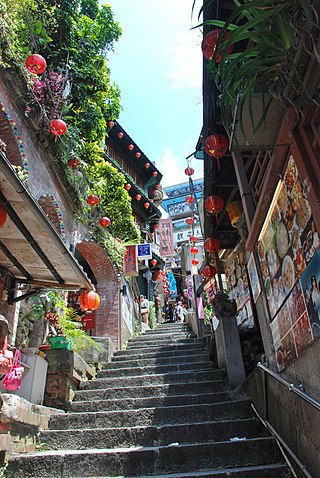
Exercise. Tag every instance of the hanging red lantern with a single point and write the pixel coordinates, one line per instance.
(89, 300)
(190, 199)
(190, 221)
(138, 197)
(74, 162)
(194, 250)
(193, 239)
(163, 273)
(128, 186)
(214, 204)
(138, 155)
(216, 145)
(147, 165)
(194, 262)
(111, 124)
(3, 215)
(155, 174)
(156, 186)
(211, 244)
(58, 127)
(104, 222)
(36, 64)
(130, 147)
(154, 262)
(209, 271)
(146, 205)
(120, 135)
(189, 171)
(209, 45)
(93, 200)
(155, 226)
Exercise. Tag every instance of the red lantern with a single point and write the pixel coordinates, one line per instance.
(216, 145)
(190, 199)
(155, 226)
(128, 187)
(194, 250)
(155, 174)
(74, 162)
(138, 197)
(110, 124)
(156, 186)
(190, 221)
(138, 155)
(211, 244)
(89, 300)
(36, 64)
(93, 200)
(120, 135)
(209, 271)
(104, 222)
(193, 239)
(3, 215)
(146, 205)
(58, 127)
(154, 262)
(214, 204)
(147, 165)
(194, 262)
(189, 171)
(130, 147)
(209, 45)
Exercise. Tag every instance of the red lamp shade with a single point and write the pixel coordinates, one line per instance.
(111, 124)
(216, 145)
(147, 165)
(209, 271)
(3, 215)
(58, 127)
(190, 199)
(36, 64)
(155, 174)
(138, 197)
(194, 262)
(214, 204)
(130, 147)
(209, 45)
(120, 135)
(146, 205)
(93, 200)
(194, 250)
(89, 300)
(104, 222)
(193, 239)
(189, 171)
(138, 155)
(74, 162)
(189, 221)
(211, 244)
(154, 262)
(128, 186)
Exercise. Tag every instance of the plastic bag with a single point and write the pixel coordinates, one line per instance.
(5, 360)
(13, 379)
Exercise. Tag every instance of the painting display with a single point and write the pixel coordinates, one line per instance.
(253, 277)
(237, 280)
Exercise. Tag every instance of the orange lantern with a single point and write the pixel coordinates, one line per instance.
(211, 244)
(3, 215)
(89, 300)
(209, 45)
(209, 271)
(234, 210)
(214, 204)
(36, 64)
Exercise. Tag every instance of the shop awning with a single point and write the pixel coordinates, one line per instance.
(30, 248)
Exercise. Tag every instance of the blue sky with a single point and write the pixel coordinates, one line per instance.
(157, 64)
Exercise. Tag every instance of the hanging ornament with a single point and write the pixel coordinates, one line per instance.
(157, 186)
(209, 45)
(193, 239)
(211, 244)
(138, 155)
(146, 205)
(74, 162)
(120, 135)
(234, 210)
(209, 271)
(104, 222)
(194, 262)
(216, 145)
(111, 124)
(190, 199)
(138, 197)
(154, 262)
(214, 204)
(189, 171)
(128, 186)
(155, 226)
(130, 147)
(89, 300)
(58, 127)
(93, 200)
(155, 174)
(3, 215)
(36, 64)
(147, 165)
(190, 221)
(194, 250)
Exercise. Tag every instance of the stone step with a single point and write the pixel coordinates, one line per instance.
(140, 380)
(168, 331)
(152, 435)
(136, 344)
(161, 390)
(146, 402)
(159, 337)
(131, 370)
(165, 360)
(168, 351)
(143, 461)
(153, 416)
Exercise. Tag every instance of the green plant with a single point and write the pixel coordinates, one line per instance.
(152, 315)
(71, 325)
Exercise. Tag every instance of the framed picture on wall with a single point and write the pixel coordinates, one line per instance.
(253, 277)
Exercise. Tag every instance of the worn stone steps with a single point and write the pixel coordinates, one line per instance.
(154, 369)
(162, 360)
(144, 460)
(160, 352)
(152, 343)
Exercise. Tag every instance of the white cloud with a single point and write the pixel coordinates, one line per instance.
(172, 168)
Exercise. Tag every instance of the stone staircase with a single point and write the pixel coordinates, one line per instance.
(159, 409)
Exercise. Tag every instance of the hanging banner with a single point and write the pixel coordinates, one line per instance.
(166, 237)
(144, 251)
(130, 262)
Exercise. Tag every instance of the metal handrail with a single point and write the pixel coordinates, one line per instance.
(291, 387)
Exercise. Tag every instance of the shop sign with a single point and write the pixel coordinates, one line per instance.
(166, 237)
(144, 251)
(211, 290)
(130, 261)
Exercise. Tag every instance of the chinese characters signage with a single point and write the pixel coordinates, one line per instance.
(166, 237)
(130, 262)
